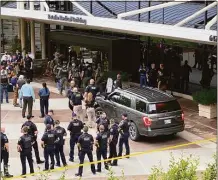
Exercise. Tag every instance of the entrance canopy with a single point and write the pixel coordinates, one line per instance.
(187, 21)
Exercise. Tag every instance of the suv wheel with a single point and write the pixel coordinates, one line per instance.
(133, 132)
(98, 112)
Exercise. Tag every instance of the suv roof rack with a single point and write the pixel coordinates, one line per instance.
(150, 94)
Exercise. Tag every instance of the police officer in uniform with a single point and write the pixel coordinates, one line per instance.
(33, 132)
(59, 146)
(49, 119)
(49, 139)
(5, 152)
(85, 145)
(91, 88)
(101, 144)
(124, 135)
(102, 120)
(76, 101)
(114, 134)
(63, 74)
(75, 128)
(24, 146)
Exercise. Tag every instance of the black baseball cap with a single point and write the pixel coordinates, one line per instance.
(29, 116)
(124, 114)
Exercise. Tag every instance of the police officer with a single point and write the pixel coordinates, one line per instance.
(63, 75)
(76, 100)
(114, 134)
(5, 152)
(124, 135)
(102, 120)
(91, 88)
(33, 132)
(49, 119)
(59, 146)
(75, 128)
(85, 145)
(101, 144)
(24, 146)
(49, 139)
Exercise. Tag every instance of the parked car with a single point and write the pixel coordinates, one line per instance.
(152, 112)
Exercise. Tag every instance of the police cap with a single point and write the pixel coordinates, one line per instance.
(29, 116)
(85, 129)
(48, 126)
(124, 114)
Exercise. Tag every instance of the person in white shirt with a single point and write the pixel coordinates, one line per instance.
(6, 57)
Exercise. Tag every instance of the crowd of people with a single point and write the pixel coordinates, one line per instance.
(173, 73)
(82, 104)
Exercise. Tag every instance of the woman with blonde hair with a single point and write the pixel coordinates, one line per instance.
(90, 109)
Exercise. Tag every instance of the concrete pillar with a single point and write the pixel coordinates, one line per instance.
(21, 5)
(23, 37)
(32, 35)
(18, 4)
(19, 29)
(42, 37)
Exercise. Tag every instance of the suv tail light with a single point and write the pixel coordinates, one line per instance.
(147, 121)
(183, 116)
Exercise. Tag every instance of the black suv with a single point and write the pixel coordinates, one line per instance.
(151, 111)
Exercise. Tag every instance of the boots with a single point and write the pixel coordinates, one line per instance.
(6, 173)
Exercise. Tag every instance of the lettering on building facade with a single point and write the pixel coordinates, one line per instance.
(213, 38)
(67, 18)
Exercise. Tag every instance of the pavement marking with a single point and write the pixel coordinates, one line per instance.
(131, 155)
(201, 124)
(192, 138)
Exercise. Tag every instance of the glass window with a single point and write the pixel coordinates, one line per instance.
(115, 98)
(141, 106)
(163, 107)
(125, 101)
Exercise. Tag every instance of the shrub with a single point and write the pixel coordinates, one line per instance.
(206, 97)
(211, 171)
(183, 169)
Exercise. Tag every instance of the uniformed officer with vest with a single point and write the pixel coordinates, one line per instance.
(49, 119)
(32, 131)
(5, 152)
(85, 145)
(75, 128)
(49, 139)
(63, 75)
(76, 101)
(101, 144)
(59, 146)
(114, 135)
(24, 146)
(91, 88)
(102, 120)
(124, 135)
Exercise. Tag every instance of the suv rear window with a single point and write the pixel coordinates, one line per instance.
(163, 107)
